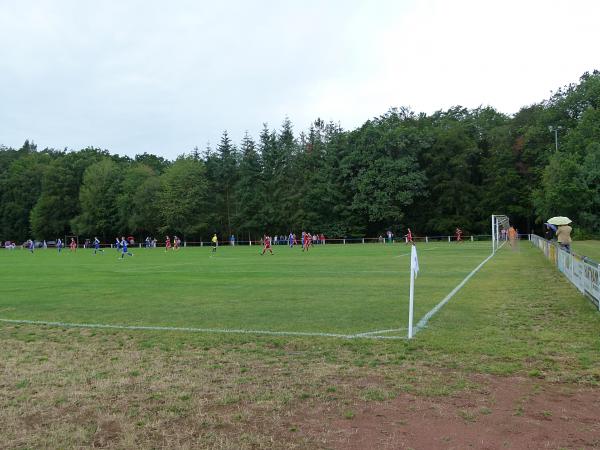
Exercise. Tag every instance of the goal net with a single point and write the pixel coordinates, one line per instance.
(500, 226)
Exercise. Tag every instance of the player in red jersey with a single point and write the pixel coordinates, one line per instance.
(266, 245)
(305, 241)
(73, 245)
(458, 234)
(167, 243)
(409, 237)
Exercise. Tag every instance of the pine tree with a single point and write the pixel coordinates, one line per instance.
(250, 189)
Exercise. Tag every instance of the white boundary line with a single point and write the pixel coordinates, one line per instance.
(369, 335)
(423, 322)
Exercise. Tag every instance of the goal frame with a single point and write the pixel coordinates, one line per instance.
(497, 241)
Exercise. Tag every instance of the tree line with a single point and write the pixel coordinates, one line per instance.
(403, 169)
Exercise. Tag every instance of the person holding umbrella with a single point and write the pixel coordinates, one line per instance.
(563, 231)
(550, 231)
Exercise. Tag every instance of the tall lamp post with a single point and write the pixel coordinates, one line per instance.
(555, 130)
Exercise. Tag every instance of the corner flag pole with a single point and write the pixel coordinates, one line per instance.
(414, 270)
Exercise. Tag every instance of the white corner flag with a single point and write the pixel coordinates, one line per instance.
(414, 261)
(414, 270)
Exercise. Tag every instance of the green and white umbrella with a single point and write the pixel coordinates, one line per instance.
(559, 220)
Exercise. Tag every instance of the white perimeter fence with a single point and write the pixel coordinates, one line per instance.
(580, 270)
(343, 241)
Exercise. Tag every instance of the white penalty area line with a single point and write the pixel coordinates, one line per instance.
(368, 335)
(423, 322)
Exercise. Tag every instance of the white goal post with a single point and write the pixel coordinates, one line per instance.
(500, 226)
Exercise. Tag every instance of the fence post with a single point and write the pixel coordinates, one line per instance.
(344, 241)
(426, 240)
(448, 238)
(185, 243)
(201, 244)
(471, 238)
(363, 240)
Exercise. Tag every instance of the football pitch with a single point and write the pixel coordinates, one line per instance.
(332, 289)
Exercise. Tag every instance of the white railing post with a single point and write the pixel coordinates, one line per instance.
(493, 236)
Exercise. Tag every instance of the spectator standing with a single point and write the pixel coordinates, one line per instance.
(563, 236)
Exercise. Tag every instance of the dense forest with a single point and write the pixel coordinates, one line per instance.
(403, 169)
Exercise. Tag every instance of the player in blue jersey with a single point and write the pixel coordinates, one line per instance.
(30, 245)
(59, 245)
(124, 248)
(117, 244)
(97, 246)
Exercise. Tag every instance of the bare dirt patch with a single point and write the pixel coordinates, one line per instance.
(510, 412)
(108, 431)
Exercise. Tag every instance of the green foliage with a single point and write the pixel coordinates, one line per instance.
(138, 209)
(98, 198)
(20, 188)
(387, 174)
(183, 197)
(563, 189)
(56, 204)
(223, 180)
(250, 191)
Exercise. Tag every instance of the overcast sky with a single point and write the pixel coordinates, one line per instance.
(163, 77)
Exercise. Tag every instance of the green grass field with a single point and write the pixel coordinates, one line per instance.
(591, 249)
(344, 289)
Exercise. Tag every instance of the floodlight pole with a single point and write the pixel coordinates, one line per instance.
(555, 130)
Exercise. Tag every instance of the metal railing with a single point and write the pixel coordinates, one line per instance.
(581, 271)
